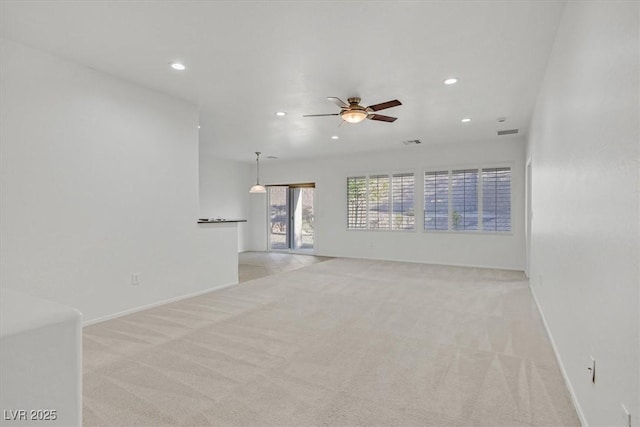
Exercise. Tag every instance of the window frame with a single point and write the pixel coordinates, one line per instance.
(356, 220)
(380, 179)
(435, 172)
(389, 174)
(479, 168)
(392, 214)
(481, 225)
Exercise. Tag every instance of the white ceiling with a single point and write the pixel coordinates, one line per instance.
(248, 59)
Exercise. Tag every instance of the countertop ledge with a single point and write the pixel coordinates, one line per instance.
(218, 220)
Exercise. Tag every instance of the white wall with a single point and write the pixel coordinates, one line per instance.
(584, 148)
(99, 181)
(333, 239)
(40, 361)
(224, 190)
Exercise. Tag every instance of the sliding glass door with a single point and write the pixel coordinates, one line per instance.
(302, 218)
(279, 218)
(291, 217)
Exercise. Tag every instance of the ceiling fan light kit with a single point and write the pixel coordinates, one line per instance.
(353, 112)
(355, 116)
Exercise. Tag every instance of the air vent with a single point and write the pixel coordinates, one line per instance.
(507, 132)
(412, 142)
(272, 157)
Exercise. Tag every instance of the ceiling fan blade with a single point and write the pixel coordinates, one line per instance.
(319, 115)
(339, 102)
(384, 105)
(382, 118)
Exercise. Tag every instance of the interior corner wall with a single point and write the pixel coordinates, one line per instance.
(99, 180)
(224, 190)
(332, 238)
(585, 239)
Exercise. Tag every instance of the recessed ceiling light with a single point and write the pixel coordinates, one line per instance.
(198, 126)
(466, 120)
(178, 66)
(281, 113)
(450, 81)
(335, 137)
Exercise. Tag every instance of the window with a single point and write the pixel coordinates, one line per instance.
(357, 202)
(381, 202)
(436, 200)
(464, 199)
(468, 200)
(378, 202)
(402, 212)
(496, 199)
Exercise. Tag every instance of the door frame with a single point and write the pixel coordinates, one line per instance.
(528, 212)
(290, 220)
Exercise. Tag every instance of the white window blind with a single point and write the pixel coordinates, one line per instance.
(357, 202)
(378, 202)
(464, 199)
(468, 199)
(496, 199)
(402, 199)
(436, 200)
(381, 202)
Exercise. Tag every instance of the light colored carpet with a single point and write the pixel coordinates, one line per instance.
(337, 343)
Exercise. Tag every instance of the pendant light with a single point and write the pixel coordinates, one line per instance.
(258, 188)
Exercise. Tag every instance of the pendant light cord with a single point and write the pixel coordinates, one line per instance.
(257, 168)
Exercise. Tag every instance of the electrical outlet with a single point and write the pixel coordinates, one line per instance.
(626, 416)
(592, 369)
(135, 279)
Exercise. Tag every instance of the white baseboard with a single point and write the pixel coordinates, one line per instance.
(572, 393)
(155, 304)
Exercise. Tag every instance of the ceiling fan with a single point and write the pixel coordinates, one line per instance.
(353, 112)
